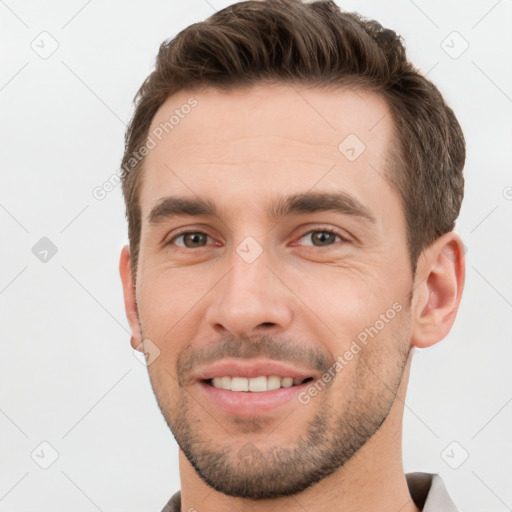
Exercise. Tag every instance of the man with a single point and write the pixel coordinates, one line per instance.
(292, 184)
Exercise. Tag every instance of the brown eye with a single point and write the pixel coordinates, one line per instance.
(191, 239)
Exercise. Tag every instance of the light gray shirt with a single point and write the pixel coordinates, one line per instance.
(427, 491)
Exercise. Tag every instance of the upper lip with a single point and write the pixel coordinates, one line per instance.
(251, 369)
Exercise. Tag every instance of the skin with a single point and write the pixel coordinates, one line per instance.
(307, 295)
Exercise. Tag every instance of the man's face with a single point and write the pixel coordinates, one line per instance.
(271, 286)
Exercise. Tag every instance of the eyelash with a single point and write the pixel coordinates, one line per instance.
(315, 230)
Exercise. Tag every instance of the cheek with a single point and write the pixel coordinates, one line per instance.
(168, 298)
(346, 298)
(172, 308)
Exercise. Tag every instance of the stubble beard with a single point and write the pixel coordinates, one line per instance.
(331, 438)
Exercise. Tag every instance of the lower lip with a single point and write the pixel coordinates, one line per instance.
(247, 403)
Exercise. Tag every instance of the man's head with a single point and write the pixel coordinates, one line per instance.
(290, 216)
(320, 46)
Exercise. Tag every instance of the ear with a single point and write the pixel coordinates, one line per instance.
(130, 298)
(438, 286)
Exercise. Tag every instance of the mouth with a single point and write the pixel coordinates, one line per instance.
(252, 387)
(251, 403)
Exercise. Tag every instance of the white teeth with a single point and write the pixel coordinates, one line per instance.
(287, 382)
(255, 384)
(239, 384)
(273, 382)
(217, 383)
(258, 384)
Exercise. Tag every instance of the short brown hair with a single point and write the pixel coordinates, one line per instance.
(316, 44)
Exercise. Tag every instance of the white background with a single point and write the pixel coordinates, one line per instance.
(68, 374)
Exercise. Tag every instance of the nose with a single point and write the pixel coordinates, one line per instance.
(250, 300)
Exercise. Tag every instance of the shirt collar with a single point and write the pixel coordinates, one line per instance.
(427, 491)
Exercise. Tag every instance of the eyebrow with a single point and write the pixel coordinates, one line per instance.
(309, 202)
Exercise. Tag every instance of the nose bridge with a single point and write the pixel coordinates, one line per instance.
(250, 297)
(247, 277)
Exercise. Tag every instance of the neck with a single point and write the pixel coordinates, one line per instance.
(372, 480)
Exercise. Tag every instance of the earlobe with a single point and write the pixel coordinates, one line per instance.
(438, 289)
(136, 345)
(130, 298)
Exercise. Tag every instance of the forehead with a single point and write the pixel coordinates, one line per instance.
(266, 139)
